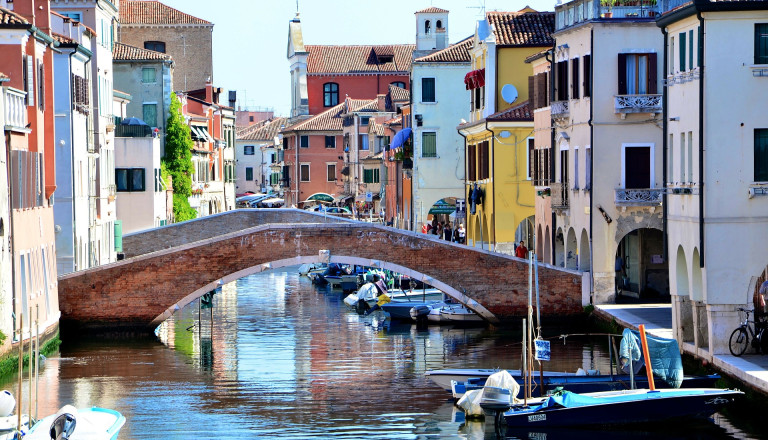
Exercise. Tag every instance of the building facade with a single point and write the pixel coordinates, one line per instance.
(255, 154)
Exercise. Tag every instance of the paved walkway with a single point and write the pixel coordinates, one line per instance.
(752, 369)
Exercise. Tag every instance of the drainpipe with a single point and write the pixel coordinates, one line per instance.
(492, 169)
(591, 158)
(551, 163)
(466, 197)
(664, 147)
(701, 138)
(12, 248)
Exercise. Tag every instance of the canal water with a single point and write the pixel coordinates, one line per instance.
(277, 358)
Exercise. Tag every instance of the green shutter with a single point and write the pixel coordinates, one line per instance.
(682, 51)
(118, 235)
(428, 144)
(761, 155)
(690, 48)
(761, 43)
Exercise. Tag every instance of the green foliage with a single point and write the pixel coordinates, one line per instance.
(178, 160)
(10, 363)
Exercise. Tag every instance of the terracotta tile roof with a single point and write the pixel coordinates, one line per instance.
(455, 53)
(399, 94)
(154, 12)
(394, 121)
(353, 59)
(537, 55)
(124, 52)
(432, 9)
(243, 131)
(376, 129)
(8, 17)
(61, 39)
(520, 112)
(264, 132)
(523, 28)
(330, 120)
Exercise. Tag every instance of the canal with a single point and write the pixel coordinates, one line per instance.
(277, 358)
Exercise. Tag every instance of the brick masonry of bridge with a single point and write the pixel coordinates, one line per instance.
(169, 267)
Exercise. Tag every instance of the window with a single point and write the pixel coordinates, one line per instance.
(427, 90)
(274, 179)
(248, 150)
(148, 75)
(761, 155)
(150, 114)
(73, 15)
(304, 141)
(690, 156)
(681, 38)
(637, 74)
(40, 85)
(304, 171)
(564, 167)
(575, 168)
(472, 163)
(587, 75)
(637, 167)
(531, 156)
(575, 78)
(330, 94)
(671, 163)
(671, 56)
(382, 142)
(428, 144)
(427, 27)
(249, 174)
(364, 120)
(364, 142)
(484, 164)
(129, 179)
(761, 43)
(683, 177)
(371, 176)
(690, 49)
(561, 81)
(250, 118)
(588, 169)
(330, 142)
(331, 168)
(157, 46)
(398, 84)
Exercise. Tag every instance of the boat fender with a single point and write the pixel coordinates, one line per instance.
(7, 403)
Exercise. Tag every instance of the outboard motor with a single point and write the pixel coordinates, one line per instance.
(7, 403)
(419, 314)
(62, 427)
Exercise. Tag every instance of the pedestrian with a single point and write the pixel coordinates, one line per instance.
(439, 231)
(521, 251)
(462, 233)
(619, 267)
(447, 231)
(763, 300)
(391, 221)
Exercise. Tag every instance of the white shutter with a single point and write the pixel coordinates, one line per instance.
(30, 80)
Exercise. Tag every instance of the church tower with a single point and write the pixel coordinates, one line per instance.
(297, 57)
(431, 30)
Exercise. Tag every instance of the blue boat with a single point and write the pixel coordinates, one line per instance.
(620, 407)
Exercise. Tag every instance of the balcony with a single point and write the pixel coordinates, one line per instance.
(15, 108)
(639, 197)
(559, 193)
(624, 104)
(560, 109)
(570, 13)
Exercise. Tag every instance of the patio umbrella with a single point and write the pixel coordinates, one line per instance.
(400, 138)
(132, 121)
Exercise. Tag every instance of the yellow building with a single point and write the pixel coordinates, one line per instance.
(499, 135)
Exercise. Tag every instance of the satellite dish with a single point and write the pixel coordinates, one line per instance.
(505, 134)
(509, 93)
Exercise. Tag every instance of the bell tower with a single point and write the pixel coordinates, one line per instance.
(431, 30)
(297, 57)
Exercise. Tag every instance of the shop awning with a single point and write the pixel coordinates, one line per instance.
(200, 134)
(400, 138)
(320, 197)
(475, 79)
(442, 207)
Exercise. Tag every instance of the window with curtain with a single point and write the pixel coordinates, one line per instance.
(150, 114)
(148, 75)
(330, 94)
(428, 144)
(637, 74)
(364, 141)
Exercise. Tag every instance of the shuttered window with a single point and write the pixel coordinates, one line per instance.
(561, 81)
(427, 90)
(681, 36)
(575, 78)
(304, 171)
(761, 155)
(472, 163)
(429, 144)
(637, 74)
(587, 78)
(371, 176)
(761, 43)
(26, 179)
(331, 169)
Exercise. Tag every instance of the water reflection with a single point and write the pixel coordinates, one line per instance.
(276, 358)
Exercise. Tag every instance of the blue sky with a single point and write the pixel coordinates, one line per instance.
(250, 36)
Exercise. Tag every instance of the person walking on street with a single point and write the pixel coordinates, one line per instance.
(448, 232)
(462, 233)
(619, 267)
(521, 251)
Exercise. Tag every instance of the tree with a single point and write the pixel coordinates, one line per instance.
(178, 161)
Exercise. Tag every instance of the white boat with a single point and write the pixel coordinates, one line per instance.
(443, 378)
(82, 424)
(442, 313)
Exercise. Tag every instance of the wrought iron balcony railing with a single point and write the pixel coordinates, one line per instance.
(559, 194)
(638, 104)
(560, 109)
(639, 196)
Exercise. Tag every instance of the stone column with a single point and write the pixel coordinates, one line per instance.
(701, 325)
(723, 319)
(682, 319)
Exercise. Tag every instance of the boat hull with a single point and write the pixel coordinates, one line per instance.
(625, 408)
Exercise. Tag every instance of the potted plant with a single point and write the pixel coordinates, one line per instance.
(607, 6)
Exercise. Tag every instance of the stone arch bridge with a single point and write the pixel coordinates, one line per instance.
(169, 267)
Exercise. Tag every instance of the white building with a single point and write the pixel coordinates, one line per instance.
(75, 152)
(254, 155)
(607, 182)
(141, 193)
(6, 254)
(438, 152)
(102, 16)
(716, 165)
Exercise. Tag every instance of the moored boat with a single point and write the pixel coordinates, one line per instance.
(85, 423)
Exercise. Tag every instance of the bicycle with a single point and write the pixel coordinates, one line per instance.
(740, 338)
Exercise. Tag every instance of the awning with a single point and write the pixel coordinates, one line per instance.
(200, 134)
(320, 197)
(400, 138)
(272, 201)
(442, 207)
(475, 79)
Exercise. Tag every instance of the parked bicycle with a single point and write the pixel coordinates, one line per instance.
(748, 331)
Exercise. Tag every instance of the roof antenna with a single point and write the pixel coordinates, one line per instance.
(481, 7)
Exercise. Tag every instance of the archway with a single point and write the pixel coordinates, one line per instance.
(584, 254)
(547, 247)
(524, 232)
(559, 248)
(645, 274)
(539, 244)
(443, 213)
(571, 250)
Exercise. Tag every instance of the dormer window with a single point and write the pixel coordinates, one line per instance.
(384, 54)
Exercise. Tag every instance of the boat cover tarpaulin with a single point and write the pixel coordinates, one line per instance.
(665, 357)
(470, 402)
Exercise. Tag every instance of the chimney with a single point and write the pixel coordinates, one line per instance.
(381, 102)
(208, 90)
(232, 98)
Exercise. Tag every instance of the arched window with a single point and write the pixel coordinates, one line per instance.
(330, 94)
(427, 26)
(399, 84)
(439, 24)
(157, 46)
